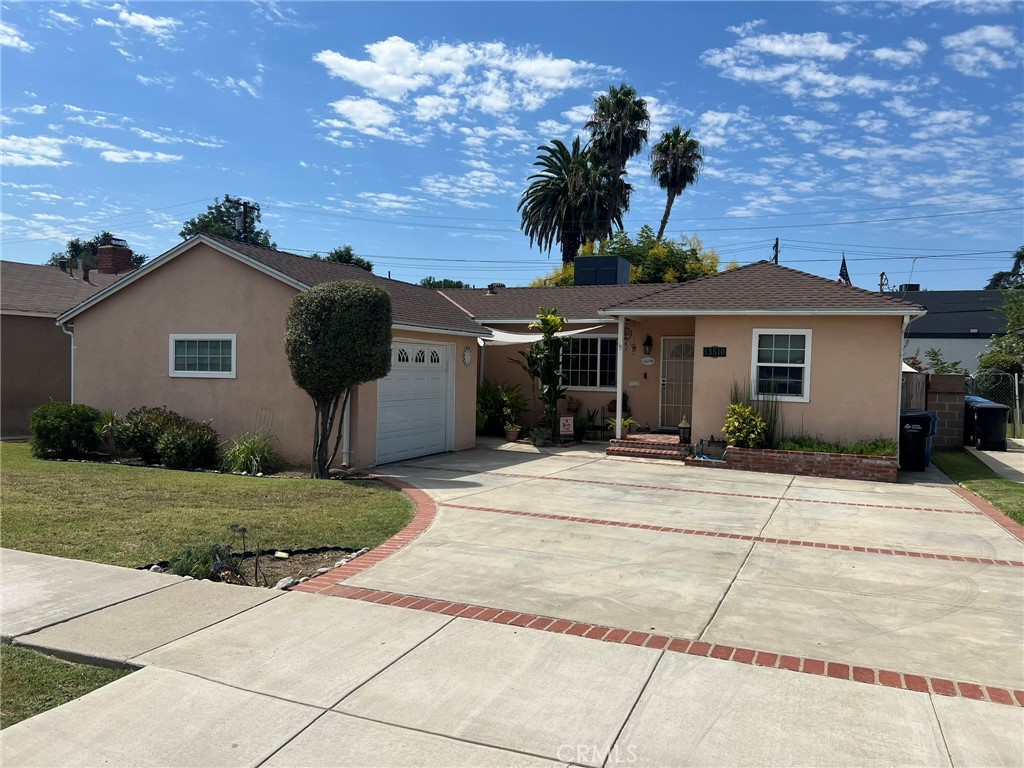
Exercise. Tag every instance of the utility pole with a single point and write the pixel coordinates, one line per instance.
(883, 282)
(775, 252)
(242, 223)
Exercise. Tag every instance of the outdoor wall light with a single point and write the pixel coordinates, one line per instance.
(648, 344)
(684, 432)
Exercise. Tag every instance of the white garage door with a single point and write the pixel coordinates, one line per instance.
(413, 402)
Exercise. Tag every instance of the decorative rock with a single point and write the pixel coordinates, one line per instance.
(320, 571)
(336, 472)
(281, 555)
(156, 569)
(186, 578)
(286, 582)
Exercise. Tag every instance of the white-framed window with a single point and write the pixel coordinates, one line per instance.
(588, 362)
(202, 355)
(781, 364)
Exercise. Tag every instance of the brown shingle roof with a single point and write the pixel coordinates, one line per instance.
(44, 290)
(765, 287)
(410, 304)
(577, 302)
(761, 286)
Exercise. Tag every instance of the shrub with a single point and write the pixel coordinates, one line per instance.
(63, 430)
(140, 430)
(189, 445)
(877, 446)
(203, 562)
(106, 432)
(744, 427)
(252, 454)
(498, 405)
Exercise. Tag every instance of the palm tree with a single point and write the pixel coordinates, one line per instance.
(572, 199)
(619, 125)
(676, 162)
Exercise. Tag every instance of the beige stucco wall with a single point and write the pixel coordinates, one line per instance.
(35, 367)
(855, 372)
(122, 354)
(643, 383)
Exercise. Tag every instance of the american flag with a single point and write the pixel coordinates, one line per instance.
(844, 275)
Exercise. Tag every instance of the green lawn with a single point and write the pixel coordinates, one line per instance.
(964, 469)
(131, 516)
(32, 683)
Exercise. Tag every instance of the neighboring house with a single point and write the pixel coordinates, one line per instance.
(200, 330)
(959, 324)
(832, 352)
(35, 355)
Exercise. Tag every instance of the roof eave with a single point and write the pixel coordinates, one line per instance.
(481, 334)
(640, 312)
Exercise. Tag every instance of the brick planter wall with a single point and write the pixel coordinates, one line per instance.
(946, 398)
(841, 465)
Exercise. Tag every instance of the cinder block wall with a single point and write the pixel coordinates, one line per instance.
(946, 398)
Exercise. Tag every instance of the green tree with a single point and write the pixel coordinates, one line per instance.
(221, 217)
(938, 364)
(545, 360)
(1012, 278)
(574, 198)
(676, 162)
(337, 336)
(344, 255)
(1006, 353)
(87, 251)
(444, 284)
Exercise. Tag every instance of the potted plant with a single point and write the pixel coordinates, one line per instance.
(512, 431)
(627, 422)
(580, 426)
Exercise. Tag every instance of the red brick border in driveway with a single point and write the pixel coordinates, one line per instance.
(332, 584)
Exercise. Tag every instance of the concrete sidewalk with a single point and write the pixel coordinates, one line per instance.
(296, 679)
(1008, 464)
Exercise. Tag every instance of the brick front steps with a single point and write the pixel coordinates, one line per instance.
(839, 465)
(647, 446)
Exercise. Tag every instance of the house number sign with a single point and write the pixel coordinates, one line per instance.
(714, 351)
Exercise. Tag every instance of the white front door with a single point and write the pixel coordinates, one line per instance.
(676, 380)
(414, 407)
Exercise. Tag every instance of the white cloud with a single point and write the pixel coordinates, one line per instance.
(161, 28)
(10, 37)
(166, 81)
(945, 122)
(910, 54)
(803, 129)
(35, 109)
(62, 20)
(237, 85)
(871, 122)
(902, 107)
(746, 27)
(467, 189)
(721, 129)
(553, 128)
(977, 50)
(137, 156)
(387, 202)
(427, 82)
(365, 115)
(46, 197)
(809, 45)
(29, 151)
(579, 115)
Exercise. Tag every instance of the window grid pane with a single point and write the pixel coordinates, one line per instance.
(781, 365)
(202, 355)
(589, 362)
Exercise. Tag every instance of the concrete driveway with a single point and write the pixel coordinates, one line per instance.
(564, 609)
(911, 578)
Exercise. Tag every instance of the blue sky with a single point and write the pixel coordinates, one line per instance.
(891, 131)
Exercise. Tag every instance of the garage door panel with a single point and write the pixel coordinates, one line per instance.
(412, 403)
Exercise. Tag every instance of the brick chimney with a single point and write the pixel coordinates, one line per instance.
(114, 259)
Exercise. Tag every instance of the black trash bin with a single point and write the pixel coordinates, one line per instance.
(985, 423)
(916, 430)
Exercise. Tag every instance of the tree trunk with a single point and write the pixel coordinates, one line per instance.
(664, 219)
(326, 412)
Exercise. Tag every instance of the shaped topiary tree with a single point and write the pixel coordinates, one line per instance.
(338, 335)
